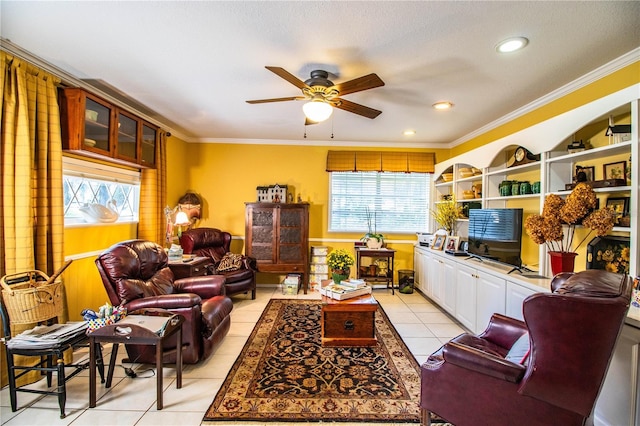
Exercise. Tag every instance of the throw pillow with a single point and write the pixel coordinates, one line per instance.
(519, 352)
(230, 262)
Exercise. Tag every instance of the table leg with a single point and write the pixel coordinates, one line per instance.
(112, 364)
(62, 389)
(159, 373)
(92, 373)
(179, 360)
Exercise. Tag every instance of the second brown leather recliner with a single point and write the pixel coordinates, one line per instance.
(215, 244)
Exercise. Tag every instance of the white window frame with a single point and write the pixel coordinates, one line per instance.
(384, 198)
(100, 174)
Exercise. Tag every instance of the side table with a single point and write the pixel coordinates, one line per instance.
(131, 334)
(373, 274)
(190, 267)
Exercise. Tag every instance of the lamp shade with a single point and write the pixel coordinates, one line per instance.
(317, 110)
(182, 219)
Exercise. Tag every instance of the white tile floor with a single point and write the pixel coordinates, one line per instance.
(423, 327)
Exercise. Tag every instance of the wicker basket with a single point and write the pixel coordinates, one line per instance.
(29, 298)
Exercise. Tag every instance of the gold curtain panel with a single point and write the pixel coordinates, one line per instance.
(380, 161)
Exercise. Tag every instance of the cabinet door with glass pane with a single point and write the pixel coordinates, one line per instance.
(127, 137)
(148, 145)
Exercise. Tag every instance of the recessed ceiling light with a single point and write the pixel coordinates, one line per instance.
(511, 44)
(409, 132)
(443, 105)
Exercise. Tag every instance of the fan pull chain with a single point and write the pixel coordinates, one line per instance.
(332, 127)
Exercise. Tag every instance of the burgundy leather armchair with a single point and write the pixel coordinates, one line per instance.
(214, 244)
(572, 334)
(136, 275)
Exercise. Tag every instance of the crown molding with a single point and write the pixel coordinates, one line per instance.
(595, 75)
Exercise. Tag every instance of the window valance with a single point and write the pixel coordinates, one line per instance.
(380, 161)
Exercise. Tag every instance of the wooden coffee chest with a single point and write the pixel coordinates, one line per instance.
(349, 322)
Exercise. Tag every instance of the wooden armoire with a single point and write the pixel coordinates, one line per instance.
(277, 236)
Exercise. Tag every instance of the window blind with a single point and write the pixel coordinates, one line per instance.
(399, 201)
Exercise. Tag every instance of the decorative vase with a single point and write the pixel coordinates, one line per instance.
(340, 274)
(372, 243)
(562, 261)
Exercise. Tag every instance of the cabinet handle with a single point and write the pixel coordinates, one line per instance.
(348, 325)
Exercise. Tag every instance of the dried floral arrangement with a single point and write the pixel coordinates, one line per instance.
(578, 208)
(340, 259)
(447, 213)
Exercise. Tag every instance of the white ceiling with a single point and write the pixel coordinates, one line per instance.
(194, 64)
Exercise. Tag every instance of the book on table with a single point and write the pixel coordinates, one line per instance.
(340, 292)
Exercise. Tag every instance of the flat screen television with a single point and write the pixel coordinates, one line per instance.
(496, 234)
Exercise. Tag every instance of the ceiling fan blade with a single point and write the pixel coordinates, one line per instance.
(359, 84)
(281, 72)
(262, 101)
(355, 108)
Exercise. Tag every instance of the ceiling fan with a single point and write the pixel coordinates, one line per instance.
(321, 93)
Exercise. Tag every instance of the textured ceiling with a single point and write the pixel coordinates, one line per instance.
(194, 64)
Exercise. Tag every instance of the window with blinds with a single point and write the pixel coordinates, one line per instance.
(400, 201)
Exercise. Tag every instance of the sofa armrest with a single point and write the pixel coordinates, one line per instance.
(206, 286)
(165, 301)
(504, 331)
(481, 362)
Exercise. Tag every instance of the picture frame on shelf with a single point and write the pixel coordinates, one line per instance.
(588, 176)
(438, 243)
(452, 243)
(620, 205)
(617, 170)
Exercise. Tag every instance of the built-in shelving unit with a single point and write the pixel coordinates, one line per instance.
(555, 169)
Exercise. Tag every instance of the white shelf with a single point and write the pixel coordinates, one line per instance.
(592, 154)
(515, 169)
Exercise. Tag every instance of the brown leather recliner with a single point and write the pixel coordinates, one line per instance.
(136, 275)
(214, 244)
(572, 333)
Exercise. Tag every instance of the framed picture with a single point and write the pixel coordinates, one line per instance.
(588, 176)
(438, 243)
(619, 205)
(617, 170)
(452, 243)
(610, 253)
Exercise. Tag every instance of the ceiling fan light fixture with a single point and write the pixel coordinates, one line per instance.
(512, 44)
(409, 132)
(443, 105)
(317, 110)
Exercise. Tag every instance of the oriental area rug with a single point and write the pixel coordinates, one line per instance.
(284, 374)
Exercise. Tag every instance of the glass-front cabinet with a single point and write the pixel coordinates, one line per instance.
(96, 128)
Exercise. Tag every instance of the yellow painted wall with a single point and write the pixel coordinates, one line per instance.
(226, 175)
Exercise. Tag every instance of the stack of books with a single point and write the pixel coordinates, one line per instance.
(346, 289)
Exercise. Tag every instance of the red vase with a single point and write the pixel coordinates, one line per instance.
(562, 261)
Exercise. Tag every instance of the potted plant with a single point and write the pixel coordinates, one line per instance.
(447, 213)
(372, 238)
(559, 215)
(340, 262)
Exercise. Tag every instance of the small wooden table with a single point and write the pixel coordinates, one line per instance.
(131, 334)
(374, 276)
(190, 267)
(349, 322)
